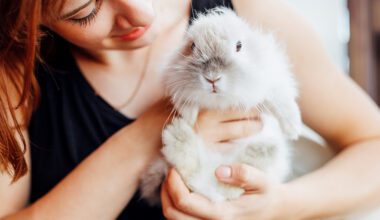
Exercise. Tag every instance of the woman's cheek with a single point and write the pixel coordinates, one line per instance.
(85, 40)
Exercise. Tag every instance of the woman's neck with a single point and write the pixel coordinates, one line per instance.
(115, 74)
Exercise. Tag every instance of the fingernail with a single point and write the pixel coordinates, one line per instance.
(224, 172)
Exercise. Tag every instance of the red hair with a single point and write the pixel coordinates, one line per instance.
(19, 38)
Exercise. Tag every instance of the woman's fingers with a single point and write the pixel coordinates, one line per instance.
(216, 127)
(237, 129)
(229, 130)
(190, 203)
(228, 115)
(242, 175)
(170, 211)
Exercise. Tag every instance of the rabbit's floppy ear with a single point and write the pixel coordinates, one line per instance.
(288, 114)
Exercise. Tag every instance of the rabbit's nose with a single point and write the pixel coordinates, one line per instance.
(212, 80)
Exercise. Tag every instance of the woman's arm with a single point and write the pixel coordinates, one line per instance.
(332, 105)
(101, 186)
(348, 184)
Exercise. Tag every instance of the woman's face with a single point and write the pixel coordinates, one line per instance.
(107, 24)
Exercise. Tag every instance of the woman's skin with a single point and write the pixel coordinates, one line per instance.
(99, 188)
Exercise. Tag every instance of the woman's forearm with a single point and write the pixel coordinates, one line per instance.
(349, 182)
(101, 186)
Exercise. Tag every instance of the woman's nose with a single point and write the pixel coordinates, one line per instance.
(135, 12)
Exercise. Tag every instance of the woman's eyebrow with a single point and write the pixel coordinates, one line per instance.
(73, 12)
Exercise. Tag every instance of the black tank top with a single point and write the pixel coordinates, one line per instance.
(72, 121)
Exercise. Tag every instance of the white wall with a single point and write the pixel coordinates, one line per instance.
(331, 20)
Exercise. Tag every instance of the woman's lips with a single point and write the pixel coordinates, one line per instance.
(134, 34)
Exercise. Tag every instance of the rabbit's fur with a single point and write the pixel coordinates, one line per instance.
(250, 70)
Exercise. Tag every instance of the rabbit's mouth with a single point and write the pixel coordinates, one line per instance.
(212, 81)
(214, 89)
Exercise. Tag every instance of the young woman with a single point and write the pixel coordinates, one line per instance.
(100, 117)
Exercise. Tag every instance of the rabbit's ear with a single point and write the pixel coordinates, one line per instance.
(288, 114)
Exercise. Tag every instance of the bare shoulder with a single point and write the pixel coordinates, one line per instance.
(14, 196)
(331, 103)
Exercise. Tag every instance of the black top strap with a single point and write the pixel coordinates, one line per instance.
(201, 6)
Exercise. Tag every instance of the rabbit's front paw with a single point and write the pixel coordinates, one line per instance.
(177, 134)
(180, 145)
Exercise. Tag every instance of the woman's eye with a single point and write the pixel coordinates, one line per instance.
(86, 16)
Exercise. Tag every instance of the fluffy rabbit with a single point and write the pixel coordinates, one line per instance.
(225, 63)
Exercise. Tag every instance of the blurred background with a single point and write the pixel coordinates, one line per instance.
(350, 30)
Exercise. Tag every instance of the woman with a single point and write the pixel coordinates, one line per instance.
(87, 111)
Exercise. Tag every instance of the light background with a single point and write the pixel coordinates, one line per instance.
(330, 18)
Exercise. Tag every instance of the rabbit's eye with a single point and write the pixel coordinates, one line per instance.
(192, 46)
(238, 46)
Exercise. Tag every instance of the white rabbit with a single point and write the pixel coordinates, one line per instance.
(225, 63)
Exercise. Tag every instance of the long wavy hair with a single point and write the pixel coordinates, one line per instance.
(19, 45)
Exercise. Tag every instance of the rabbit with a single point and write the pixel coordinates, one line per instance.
(225, 63)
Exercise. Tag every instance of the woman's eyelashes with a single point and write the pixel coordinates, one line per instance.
(86, 20)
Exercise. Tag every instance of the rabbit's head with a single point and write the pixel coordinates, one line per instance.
(224, 62)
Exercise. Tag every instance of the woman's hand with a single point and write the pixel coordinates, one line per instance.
(218, 127)
(262, 198)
